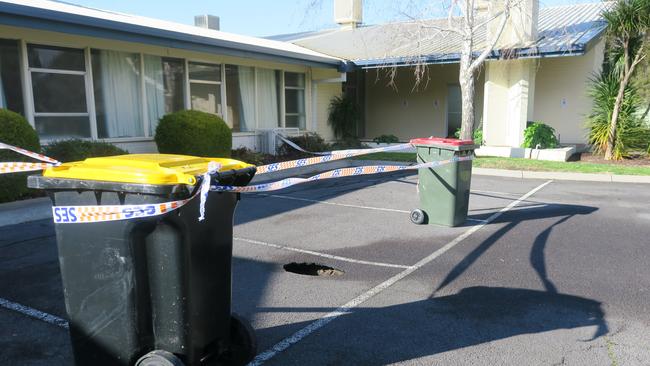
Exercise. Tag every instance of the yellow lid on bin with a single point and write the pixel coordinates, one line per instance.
(141, 168)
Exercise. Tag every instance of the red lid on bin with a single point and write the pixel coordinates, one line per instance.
(441, 141)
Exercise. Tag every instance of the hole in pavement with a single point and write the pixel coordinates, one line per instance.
(312, 269)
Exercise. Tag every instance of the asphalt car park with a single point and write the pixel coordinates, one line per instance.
(542, 273)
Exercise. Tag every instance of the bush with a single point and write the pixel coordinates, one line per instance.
(15, 130)
(343, 117)
(251, 157)
(349, 143)
(386, 139)
(309, 141)
(78, 150)
(539, 135)
(478, 136)
(194, 133)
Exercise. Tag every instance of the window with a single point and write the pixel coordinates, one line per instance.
(164, 80)
(294, 100)
(58, 78)
(240, 98)
(205, 87)
(118, 97)
(11, 89)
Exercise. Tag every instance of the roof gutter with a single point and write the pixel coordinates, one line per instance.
(51, 20)
(454, 58)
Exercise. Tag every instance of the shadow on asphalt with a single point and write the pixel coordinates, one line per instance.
(473, 316)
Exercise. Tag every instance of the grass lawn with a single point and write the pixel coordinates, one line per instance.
(528, 164)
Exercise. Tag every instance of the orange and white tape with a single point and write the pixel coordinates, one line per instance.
(17, 167)
(88, 214)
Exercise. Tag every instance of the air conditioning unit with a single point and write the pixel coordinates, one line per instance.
(269, 143)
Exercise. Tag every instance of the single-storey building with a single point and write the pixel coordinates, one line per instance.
(77, 72)
(74, 71)
(539, 71)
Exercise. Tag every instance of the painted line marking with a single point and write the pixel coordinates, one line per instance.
(334, 203)
(347, 308)
(324, 255)
(33, 313)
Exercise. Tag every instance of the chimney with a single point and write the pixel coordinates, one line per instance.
(521, 28)
(207, 21)
(348, 13)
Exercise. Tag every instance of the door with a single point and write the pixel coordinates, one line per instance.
(454, 109)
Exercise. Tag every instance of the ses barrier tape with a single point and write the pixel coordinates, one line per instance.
(16, 167)
(89, 214)
(337, 173)
(334, 155)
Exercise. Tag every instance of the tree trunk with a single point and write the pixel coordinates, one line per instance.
(627, 73)
(611, 139)
(467, 81)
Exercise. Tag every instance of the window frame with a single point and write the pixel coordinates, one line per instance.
(31, 114)
(284, 88)
(30, 108)
(221, 83)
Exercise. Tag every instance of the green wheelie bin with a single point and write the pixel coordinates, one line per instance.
(443, 190)
(148, 289)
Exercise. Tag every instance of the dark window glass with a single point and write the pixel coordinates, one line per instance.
(11, 88)
(59, 58)
(56, 128)
(59, 93)
(174, 81)
(206, 72)
(294, 79)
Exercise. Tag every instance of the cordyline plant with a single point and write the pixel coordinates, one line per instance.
(628, 25)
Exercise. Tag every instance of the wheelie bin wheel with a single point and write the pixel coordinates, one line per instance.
(159, 358)
(243, 345)
(418, 216)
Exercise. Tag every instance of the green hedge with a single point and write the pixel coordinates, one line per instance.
(15, 130)
(194, 133)
(78, 150)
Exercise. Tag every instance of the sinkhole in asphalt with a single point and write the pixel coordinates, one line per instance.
(312, 269)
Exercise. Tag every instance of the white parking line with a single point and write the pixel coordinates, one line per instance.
(321, 322)
(33, 313)
(324, 255)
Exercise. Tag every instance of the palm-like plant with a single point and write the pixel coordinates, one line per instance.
(628, 23)
(343, 117)
(632, 133)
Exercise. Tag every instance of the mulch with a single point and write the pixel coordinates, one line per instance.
(599, 159)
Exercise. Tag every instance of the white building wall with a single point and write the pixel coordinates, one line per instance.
(561, 99)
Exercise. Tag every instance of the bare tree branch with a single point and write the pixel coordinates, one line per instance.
(479, 60)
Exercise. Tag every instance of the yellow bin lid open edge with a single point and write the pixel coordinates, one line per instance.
(160, 169)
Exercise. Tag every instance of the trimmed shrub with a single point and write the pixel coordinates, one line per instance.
(15, 130)
(386, 139)
(78, 150)
(194, 133)
(539, 134)
(309, 141)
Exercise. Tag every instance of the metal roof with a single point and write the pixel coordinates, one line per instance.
(563, 31)
(69, 18)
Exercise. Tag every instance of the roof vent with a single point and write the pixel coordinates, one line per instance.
(207, 21)
(348, 13)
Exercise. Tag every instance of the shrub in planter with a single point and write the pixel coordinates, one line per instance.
(194, 133)
(540, 135)
(78, 150)
(15, 130)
